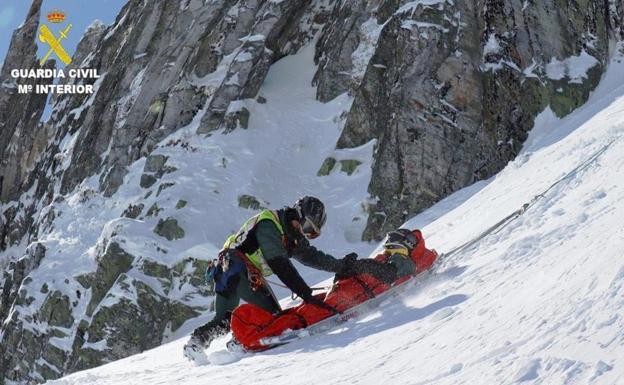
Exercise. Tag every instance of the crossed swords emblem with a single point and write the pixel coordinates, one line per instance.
(46, 36)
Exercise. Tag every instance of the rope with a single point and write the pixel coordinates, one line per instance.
(286, 287)
(511, 217)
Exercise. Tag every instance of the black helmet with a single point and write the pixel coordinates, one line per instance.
(312, 215)
(401, 238)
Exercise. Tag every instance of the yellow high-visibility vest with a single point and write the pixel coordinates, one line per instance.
(256, 258)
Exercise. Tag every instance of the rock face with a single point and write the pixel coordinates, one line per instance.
(452, 87)
(448, 89)
(20, 127)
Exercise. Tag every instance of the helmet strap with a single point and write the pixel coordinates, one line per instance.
(299, 213)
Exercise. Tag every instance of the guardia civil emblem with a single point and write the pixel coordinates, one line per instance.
(47, 36)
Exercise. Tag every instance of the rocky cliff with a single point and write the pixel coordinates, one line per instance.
(447, 89)
(450, 88)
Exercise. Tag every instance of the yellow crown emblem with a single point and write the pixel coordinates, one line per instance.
(56, 16)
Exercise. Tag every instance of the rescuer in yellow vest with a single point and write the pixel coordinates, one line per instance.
(263, 246)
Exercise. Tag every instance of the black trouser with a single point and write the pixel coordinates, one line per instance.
(226, 302)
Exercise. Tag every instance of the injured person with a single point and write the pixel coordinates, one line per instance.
(404, 256)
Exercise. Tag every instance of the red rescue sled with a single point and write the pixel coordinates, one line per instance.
(252, 326)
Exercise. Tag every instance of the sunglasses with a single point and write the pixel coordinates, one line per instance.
(309, 229)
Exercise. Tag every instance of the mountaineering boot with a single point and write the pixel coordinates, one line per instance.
(234, 346)
(201, 338)
(194, 350)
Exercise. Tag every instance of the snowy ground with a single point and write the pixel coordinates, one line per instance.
(540, 301)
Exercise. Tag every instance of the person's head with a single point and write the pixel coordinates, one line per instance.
(310, 216)
(400, 241)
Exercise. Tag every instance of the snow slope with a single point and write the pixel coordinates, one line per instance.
(539, 301)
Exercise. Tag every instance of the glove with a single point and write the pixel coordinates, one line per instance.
(350, 258)
(320, 303)
(348, 268)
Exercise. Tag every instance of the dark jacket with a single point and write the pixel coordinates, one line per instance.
(277, 251)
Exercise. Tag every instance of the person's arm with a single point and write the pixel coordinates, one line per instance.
(276, 256)
(386, 272)
(315, 258)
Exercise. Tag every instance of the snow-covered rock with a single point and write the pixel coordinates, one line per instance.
(444, 88)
